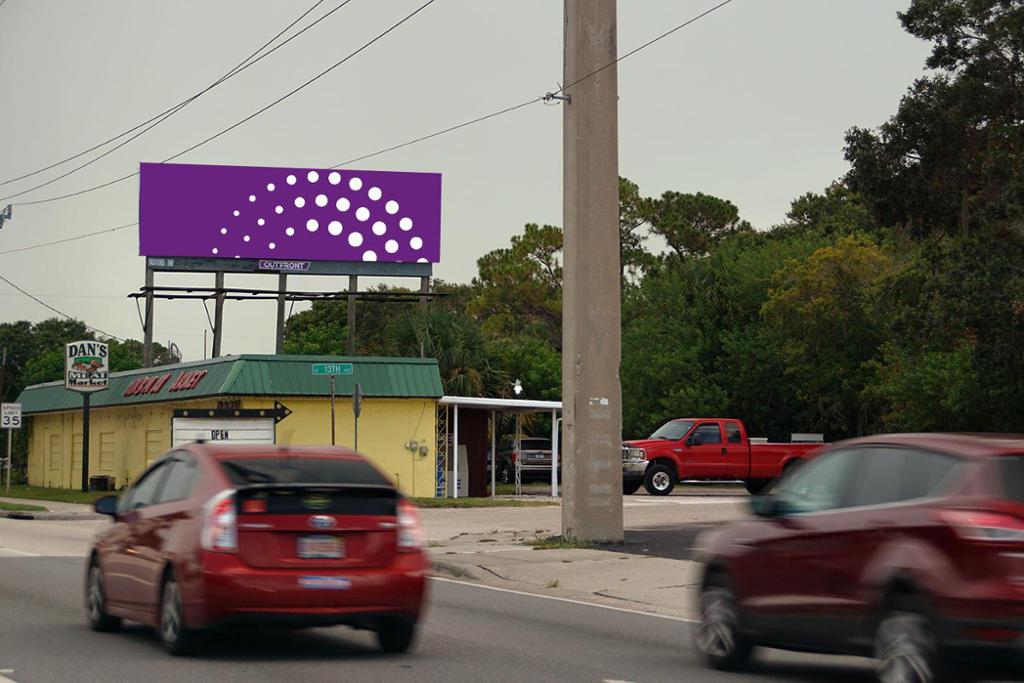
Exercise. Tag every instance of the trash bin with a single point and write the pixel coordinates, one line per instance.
(101, 482)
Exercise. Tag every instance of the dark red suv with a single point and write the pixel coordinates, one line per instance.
(907, 548)
(221, 535)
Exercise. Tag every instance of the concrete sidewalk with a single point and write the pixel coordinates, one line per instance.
(54, 510)
(653, 571)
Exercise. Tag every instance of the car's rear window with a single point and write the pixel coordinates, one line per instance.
(298, 470)
(536, 444)
(1012, 473)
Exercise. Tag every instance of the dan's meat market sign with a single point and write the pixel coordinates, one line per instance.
(87, 366)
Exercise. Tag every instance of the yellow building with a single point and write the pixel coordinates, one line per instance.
(239, 399)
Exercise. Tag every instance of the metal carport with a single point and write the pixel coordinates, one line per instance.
(494, 406)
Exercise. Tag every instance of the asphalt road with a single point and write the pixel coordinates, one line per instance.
(470, 633)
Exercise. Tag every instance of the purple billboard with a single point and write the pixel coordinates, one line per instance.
(256, 212)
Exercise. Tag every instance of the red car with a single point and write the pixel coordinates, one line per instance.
(214, 535)
(907, 548)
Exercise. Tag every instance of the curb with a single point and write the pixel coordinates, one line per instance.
(50, 516)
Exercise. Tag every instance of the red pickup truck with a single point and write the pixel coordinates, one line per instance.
(705, 448)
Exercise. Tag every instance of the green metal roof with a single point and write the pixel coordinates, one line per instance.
(253, 375)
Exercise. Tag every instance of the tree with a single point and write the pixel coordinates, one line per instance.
(691, 223)
(635, 212)
(455, 340)
(838, 211)
(819, 309)
(519, 289)
(951, 160)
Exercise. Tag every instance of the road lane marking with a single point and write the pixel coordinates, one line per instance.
(3, 678)
(21, 553)
(568, 600)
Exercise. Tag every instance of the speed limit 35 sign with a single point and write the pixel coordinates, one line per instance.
(10, 416)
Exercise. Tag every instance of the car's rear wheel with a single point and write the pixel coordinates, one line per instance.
(177, 638)
(96, 601)
(906, 649)
(720, 639)
(659, 480)
(505, 475)
(631, 486)
(396, 636)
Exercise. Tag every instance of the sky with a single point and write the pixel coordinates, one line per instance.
(749, 104)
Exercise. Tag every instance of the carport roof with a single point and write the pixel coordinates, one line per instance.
(509, 405)
(248, 375)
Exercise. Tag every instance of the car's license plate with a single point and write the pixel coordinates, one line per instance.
(325, 582)
(321, 547)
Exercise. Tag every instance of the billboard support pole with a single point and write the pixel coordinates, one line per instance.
(424, 289)
(282, 288)
(85, 442)
(332, 410)
(353, 286)
(218, 314)
(147, 325)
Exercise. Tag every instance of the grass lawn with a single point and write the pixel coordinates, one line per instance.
(18, 507)
(477, 503)
(58, 495)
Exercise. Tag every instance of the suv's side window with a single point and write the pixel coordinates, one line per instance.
(181, 480)
(817, 486)
(707, 433)
(146, 490)
(927, 473)
(732, 433)
(880, 476)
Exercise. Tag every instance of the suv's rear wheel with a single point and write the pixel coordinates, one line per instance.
(96, 601)
(505, 475)
(905, 646)
(659, 480)
(396, 635)
(177, 638)
(719, 637)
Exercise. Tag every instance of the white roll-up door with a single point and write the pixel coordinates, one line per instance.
(237, 430)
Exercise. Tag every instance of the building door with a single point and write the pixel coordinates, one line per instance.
(238, 430)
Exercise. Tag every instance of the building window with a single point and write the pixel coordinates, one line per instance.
(107, 451)
(55, 452)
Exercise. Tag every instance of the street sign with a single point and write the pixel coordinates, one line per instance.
(87, 366)
(10, 416)
(332, 368)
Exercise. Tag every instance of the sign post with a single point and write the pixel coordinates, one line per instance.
(86, 370)
(332, 369)
(10, 419)
(357, 407)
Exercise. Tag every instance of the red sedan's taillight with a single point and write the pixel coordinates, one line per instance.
(410, 534)
(220, 529)
(977, 525)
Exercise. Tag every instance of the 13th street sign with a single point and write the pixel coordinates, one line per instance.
(10, 416)
(332, 368)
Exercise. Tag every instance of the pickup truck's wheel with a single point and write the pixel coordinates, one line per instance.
(631, 486)
(756, 486)
(719, 638)
(659, 480)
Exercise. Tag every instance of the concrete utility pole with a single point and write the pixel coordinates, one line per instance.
(591, 317)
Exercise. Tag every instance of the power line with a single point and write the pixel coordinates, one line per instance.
(69, 239)
(248, 118)
(167, 113)
(58, 312)
(646, 45)
(548, 96)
